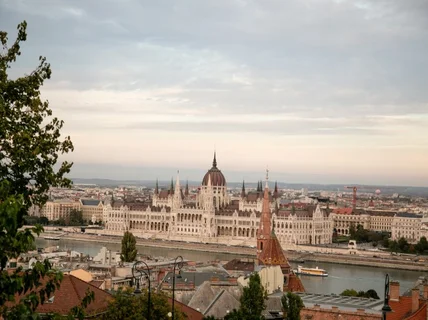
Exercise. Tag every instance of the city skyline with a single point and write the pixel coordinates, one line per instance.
(321, 92)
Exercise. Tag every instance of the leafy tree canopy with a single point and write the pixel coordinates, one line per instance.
(253, 299)
(292, 304)
(127, 306)
(30, 144)
(129, 249)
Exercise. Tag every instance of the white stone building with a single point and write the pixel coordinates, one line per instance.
(215, 217)
(408, 226)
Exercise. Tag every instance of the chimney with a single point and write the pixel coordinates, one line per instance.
(415, 299)
(426, 291)
(394, 293)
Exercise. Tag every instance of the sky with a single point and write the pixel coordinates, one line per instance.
(321, 91)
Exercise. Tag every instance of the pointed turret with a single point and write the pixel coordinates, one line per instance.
(186, 191)
(215, 161)
(178, 201)
(157, 187)
(171, 187)
(275, 192)
(243, 189)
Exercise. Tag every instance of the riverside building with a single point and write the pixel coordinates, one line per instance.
(215, 217)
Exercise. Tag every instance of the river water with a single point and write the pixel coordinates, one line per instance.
(340, 277)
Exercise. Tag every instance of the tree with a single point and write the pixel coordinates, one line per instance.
(292, 304)
(362, 294)
(253, 299)
(75, 218)
(129, 249)
(403, 245)
(128, 306)
(30, 145)
(352, 231)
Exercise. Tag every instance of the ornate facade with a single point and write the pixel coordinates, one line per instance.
(215, 216)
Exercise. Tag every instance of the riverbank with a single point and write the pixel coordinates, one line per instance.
(397, 263)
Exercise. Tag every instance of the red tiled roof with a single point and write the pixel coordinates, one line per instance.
(191, 313)
(343, 211)
(420, 314)
(402, 309)
(273, 254)
(294, 284)
(70, 294)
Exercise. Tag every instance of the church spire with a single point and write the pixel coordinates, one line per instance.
(157, 187)
(264, 231)
(243, 189)
(186, 191)
(215, 161)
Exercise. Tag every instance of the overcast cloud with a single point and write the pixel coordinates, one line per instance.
(325, 90)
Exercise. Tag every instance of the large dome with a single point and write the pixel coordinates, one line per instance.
(217, 178)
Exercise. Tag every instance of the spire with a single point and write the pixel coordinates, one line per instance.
(171, 188)
(214, 161)
(157, 187)
(275, 192)
(267, 178)
(265, 227)
(243, 189)
(186, 192)
(177, 183)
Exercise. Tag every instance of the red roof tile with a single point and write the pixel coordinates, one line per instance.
(70, 294)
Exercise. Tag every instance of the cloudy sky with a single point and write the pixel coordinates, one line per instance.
(329, 91)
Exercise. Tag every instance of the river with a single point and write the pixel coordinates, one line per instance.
(340, 277)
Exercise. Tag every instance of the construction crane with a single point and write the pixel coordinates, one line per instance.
(354, 193)
(354, 196)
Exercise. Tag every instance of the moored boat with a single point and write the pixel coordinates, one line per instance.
(317, 272)
(52, 238)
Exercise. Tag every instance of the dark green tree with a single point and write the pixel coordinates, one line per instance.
(129, 249)
(75, 218)
(352, 231)
(30, 144)
(291, 305)
(362, 294)
(235, 315)
(127, 306)
(403, 245)
(253, 299)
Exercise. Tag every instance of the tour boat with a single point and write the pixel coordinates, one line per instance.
(52, 238)
(311, 271)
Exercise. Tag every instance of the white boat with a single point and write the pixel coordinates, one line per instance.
(52, 238)
(317, 272)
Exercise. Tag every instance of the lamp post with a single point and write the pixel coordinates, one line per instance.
(386, 308)
(144, 269)
(178, 262)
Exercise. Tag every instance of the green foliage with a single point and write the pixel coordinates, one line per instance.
(127, 306)
(253, 299)
(236, 315)
(353, 293)
(33, 220)
(291, 305)
(129, 249)
(29, 148)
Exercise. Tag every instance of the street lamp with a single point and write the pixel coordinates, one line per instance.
(144, 269)
(386, 308)
(178, 262)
